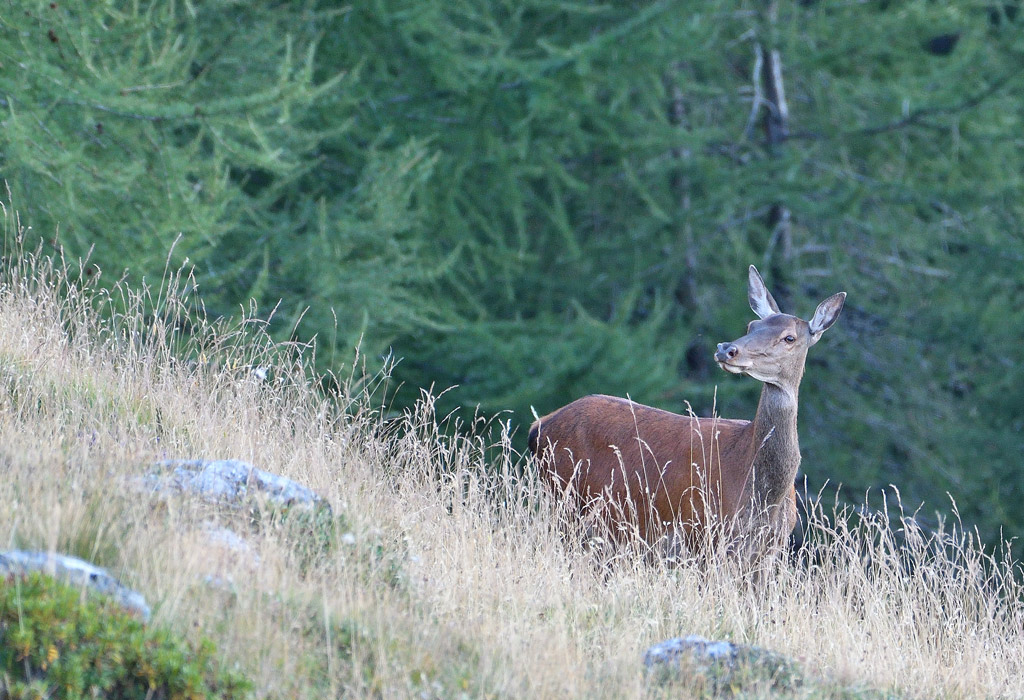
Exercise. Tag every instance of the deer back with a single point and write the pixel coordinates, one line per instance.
(646, 466)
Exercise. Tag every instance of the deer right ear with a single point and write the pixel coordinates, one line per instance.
(761, 300)
(826, 314)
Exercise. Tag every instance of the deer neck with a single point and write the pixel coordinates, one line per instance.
(776, 457)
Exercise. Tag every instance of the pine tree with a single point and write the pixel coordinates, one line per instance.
(542, 199)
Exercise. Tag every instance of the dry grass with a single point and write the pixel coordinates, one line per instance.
(442, 571)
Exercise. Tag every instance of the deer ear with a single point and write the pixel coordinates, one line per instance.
(761, 300)
(826, 314)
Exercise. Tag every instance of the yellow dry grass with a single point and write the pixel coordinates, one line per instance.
(443, 571)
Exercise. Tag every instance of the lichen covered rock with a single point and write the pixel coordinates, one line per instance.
(229, 481)
(720, 667)
(74, 571)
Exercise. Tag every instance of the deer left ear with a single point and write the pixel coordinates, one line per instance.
(826, 314)
(761, 301)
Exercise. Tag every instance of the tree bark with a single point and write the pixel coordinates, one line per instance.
(776, 130)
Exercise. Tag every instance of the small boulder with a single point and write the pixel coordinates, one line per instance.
(229, 481)
(74, 571)
(721, 667)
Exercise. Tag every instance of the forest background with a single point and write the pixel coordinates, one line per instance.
(535, 200)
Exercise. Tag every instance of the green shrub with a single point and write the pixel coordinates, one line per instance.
(55, 643)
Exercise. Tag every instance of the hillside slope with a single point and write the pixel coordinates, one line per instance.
(440, 570)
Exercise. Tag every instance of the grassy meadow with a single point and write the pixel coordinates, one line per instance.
(443, 569)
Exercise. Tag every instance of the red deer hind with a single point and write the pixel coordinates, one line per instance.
(651, 470)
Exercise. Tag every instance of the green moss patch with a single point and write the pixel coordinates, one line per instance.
(57, 643)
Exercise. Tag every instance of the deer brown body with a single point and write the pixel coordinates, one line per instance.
(651, 470)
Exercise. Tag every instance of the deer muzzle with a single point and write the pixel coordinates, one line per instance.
(726, 357)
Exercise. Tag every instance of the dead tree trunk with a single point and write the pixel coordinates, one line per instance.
(776, 130)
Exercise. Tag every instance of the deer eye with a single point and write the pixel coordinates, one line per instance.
(789, 339)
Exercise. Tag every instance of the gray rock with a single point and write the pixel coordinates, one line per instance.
(74, 571)
(697, 648)
(721, 667)
(229, 481)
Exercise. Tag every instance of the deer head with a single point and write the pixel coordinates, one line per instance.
(775, 347)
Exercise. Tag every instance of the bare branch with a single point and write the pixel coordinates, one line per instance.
(918, 116)
(776, 120)
(758, 100)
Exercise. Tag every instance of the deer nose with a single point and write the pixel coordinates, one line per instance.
(726, 351)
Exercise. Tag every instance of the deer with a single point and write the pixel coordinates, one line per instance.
(654, 472)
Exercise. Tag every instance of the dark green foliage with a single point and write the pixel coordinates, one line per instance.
(538, 200)
(55, 642)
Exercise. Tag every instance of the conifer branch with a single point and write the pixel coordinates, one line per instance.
(916, 117)
(919, 114)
